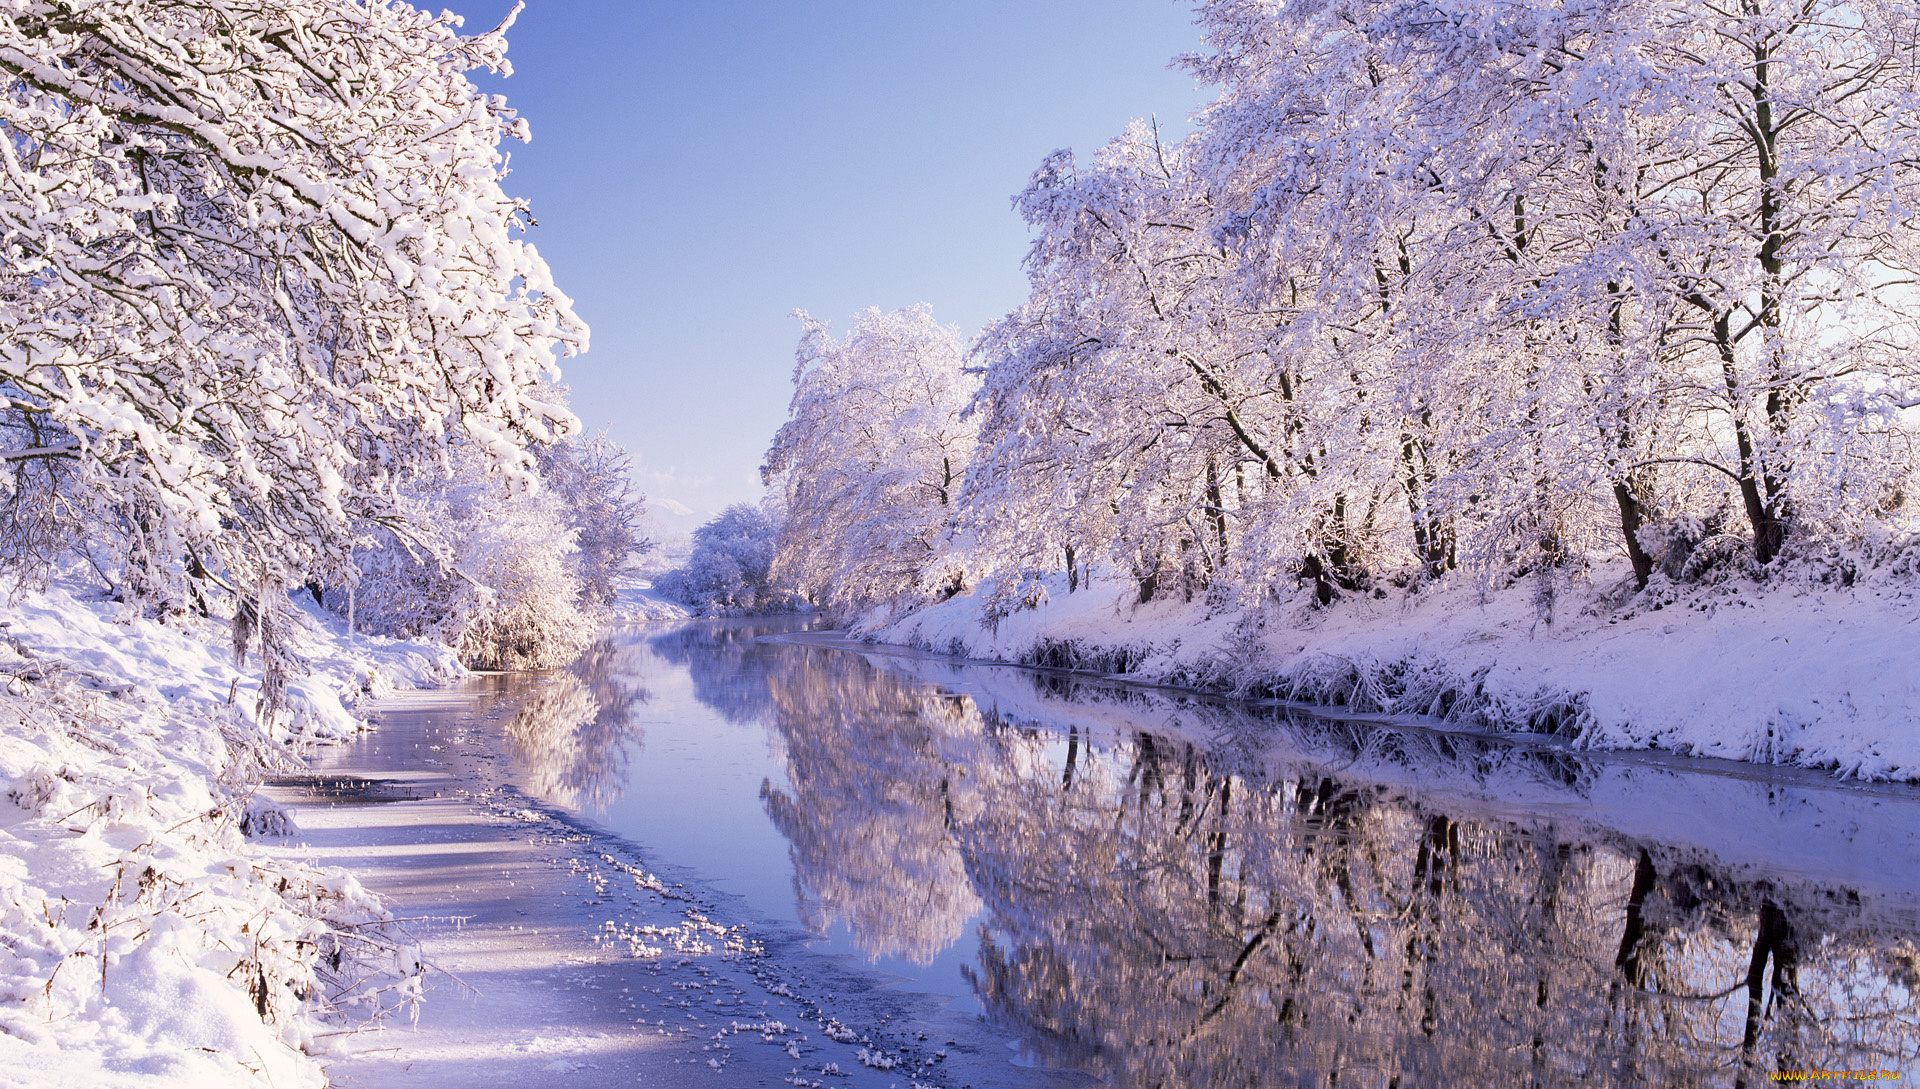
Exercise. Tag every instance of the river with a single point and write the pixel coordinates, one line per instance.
(1135, 886)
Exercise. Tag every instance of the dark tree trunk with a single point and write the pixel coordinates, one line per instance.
(1432, 537)
(1217, 514)
(1627, 960)
(1769, 530)
(1775, 939)
(1630, 522)
(1623, 493)
(1311, 569)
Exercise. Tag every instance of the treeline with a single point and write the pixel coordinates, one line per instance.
(1432, 285)
(268, 324)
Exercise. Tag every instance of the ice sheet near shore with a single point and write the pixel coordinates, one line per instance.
(143, 940)
(1793, 671)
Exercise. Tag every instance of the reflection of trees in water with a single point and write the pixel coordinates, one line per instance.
(728, 667)
(1174, 923)
(573, 731)
(1175, 914)
(876, 786)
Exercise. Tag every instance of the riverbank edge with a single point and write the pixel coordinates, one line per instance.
(1797, 672)
(149, 936)
(604, 898)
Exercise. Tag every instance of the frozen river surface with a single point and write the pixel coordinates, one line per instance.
(964, 874)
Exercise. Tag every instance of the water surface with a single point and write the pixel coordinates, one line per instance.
(1162, 889)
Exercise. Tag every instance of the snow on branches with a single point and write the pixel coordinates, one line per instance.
(728, 571)
(1444, 283)
(256, 268)
(1586, 264)
(492, 573)
(871, 461)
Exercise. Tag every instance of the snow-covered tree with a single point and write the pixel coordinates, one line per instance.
(1593, 249)
(1461, 282)
(486, 569)
(729, 570)
(1785, 237)
(592, 480)
(872, 458)
(512, 577)
(256, 271)
(1136, 410)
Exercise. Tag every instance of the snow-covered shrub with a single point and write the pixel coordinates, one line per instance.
(1718, 557)
(262, 816)
(729, 570)
(479, 565)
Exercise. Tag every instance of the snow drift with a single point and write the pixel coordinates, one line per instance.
(142, 939)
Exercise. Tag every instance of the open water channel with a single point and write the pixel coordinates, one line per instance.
(1151, 888)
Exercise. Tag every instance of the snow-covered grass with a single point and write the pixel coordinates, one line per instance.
(635, 604)
(1794, 670)
(143, 941)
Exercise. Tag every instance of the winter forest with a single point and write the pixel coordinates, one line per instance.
(1436, 291)
(1454, 342)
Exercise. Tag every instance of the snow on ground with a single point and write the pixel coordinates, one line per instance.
(143, 940)
(562, 956)
(1792, 672)
(638, 604)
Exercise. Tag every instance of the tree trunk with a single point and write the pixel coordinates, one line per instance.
(1630, 522)
(1432, 539)
(1775, 939)
(1768, 531)
(1217, 514)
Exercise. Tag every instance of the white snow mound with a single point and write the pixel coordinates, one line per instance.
(143, 941)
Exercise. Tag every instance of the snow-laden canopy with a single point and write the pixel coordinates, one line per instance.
(1507, 284)
(255, 267)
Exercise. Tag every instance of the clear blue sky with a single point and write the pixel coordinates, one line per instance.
(700, 168)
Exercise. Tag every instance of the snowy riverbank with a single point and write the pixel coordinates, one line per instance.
(143, 939)
(1793, 671)
(564, 953)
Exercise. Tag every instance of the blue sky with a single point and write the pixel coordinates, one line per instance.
(701, 168)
